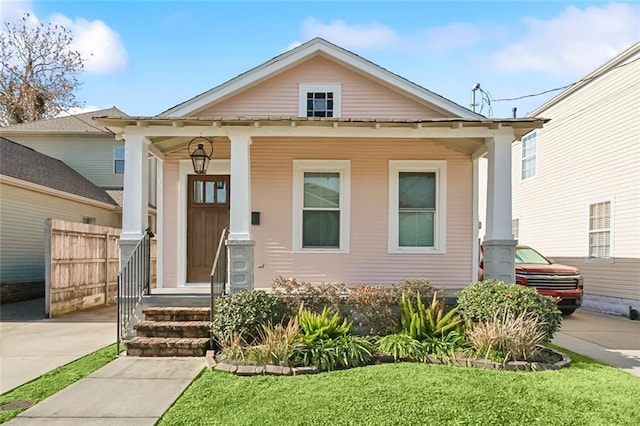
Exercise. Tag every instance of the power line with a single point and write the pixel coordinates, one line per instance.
(567, 86)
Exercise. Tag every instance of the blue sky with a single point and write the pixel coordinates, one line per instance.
(151, 55)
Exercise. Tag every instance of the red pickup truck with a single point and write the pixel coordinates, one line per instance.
(564, 283)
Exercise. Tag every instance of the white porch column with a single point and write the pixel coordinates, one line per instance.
(159, 221)
(499, 245)
(135, 195)
(476, 219)
(239, 243)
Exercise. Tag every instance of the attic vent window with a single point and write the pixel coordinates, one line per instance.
(320, 104)
(320, 100)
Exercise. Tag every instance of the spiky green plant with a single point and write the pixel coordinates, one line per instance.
(322, 326)
(445, 346)
(401, 346)
(422, 322)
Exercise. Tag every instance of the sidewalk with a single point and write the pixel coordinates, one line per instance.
(130, 390)
(609, 339)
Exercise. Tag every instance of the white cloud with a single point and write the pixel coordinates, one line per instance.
(453, 36)
(98, 44)
(13, 10)
(293, 45)
(80, 110)
(372, 35)
(573, 43)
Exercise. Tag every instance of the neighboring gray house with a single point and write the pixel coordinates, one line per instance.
(576, 183)
(85, 146)
(89, 149)
(34, 187)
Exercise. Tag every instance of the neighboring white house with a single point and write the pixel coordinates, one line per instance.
(326, 167)
(576, 183)
(33, 188)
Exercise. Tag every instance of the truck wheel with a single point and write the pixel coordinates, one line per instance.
(567, 312)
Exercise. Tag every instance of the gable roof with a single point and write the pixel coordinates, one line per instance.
(620, 60)
(24, 163)
(303, 52)
(78, 123)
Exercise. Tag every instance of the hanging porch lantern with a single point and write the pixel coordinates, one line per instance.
(199, 156)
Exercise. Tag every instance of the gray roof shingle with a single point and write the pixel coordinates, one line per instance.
(79, 123)
(21, 162)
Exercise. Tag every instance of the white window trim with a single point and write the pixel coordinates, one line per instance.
(588, 258)
(299, 168)
(439, 167)
(522, 157)
(304, 88)
(113, 164)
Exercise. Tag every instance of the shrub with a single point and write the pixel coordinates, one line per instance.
(321, 326)
(245, 313)
(232, 348)
(314, 297)
(276, 343)
(479, 302)
(332, 354)
(400, 346)
(411, 287)
(354, 351)
(446, 345)
(513, 336)
(422, 322)
(372, 308)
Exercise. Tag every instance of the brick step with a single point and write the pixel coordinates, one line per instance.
(177, 314)
(173, 329)
(167, 346)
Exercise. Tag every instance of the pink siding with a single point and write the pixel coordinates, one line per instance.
(361, 96)
(368, 260)
(170, 225)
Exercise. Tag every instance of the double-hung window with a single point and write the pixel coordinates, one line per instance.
(321, 205)
(319, 100)
(600, 230)
(118, 159)
(529, 149)
(417, 200)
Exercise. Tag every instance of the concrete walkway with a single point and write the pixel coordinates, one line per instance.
(128, 391)
(609, 339)
(32, 347)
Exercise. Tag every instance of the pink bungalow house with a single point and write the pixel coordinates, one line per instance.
(327, 168)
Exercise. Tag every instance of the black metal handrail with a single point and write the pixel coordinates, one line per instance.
(134, 281)
(219, 272)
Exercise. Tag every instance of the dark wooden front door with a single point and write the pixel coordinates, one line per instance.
(207, 216)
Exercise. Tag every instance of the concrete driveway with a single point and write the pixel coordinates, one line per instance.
(31, 346)
(609, 339)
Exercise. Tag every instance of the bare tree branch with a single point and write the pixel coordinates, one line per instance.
(39, 71)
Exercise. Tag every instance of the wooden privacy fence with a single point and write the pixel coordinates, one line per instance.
(82, 263)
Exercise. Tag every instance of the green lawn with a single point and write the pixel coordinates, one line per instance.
(587, 393)
(56, 380)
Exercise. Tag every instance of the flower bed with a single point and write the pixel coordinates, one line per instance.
(563, 361)
(302, 329)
